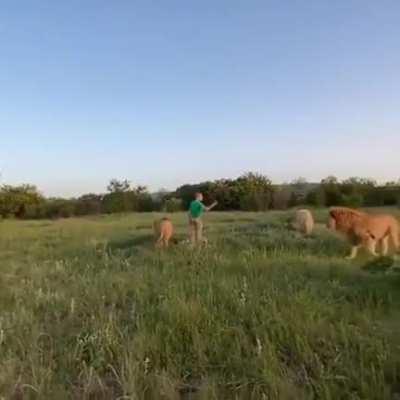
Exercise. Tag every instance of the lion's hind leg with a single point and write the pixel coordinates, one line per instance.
(370, 245)
(354, 252)
(395, 237)
(160, 241)
(385, 245)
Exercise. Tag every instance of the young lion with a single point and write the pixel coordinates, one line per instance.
(365, 230)
(163, 230)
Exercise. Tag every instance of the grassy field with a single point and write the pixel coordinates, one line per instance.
(89, 310)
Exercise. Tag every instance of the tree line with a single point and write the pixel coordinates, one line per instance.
(249, 192)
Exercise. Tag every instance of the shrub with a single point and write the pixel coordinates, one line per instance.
(282, 199)
(316, 198)
(145, 203)
(353, 200)
(89, 204)
(173, 205)
(59, 208)
(256, 202)
(14, 200)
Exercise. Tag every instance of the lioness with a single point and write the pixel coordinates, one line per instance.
(163, 230)
(365, 230)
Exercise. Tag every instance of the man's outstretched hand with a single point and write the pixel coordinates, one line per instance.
(212, 206)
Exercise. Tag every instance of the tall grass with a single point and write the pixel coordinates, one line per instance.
(89, 310)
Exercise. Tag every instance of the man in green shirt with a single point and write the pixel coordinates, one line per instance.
(196, 210)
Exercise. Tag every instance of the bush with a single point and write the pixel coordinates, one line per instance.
(173, 205)
(145, 203)
(316, 198)
(14, 200)
(256, 202)
(89, 204)
(118, 202)
(37, 211)
(282, 199)
(59, 208)
(353, 200)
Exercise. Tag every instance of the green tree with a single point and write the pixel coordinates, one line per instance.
(60, 208)
(186, 192)
(282, 198)
(255, 191)
(88, 204)
(15, 200)
(117, 186)
(316, 198)
(172, 205)
(123, 197)
(225, 191)
(332, 195)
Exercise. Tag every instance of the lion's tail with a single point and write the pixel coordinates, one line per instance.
(158, 232)
(160, 239)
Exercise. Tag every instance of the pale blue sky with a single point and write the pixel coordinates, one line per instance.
(169, 92)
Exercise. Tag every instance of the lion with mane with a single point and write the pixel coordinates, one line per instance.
(365, 230)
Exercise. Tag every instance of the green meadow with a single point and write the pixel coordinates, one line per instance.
(90, 310)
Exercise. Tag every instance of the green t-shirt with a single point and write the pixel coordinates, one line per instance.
(196, 209)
